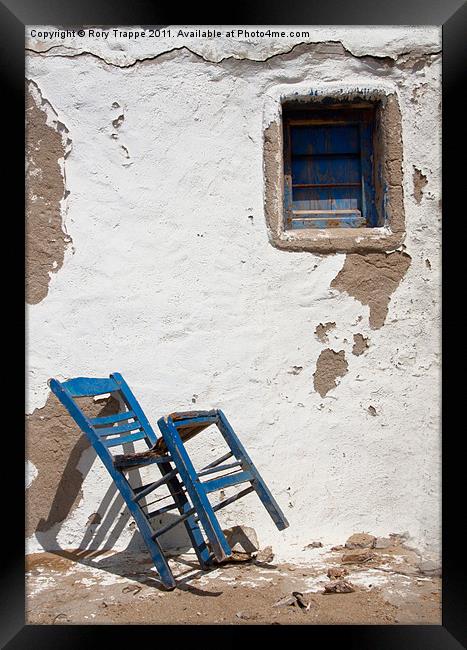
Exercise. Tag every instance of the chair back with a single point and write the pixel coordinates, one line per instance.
(129, 425)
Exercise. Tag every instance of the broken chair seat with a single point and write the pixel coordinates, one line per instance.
(186, 489)
(187, 428)
(188, 425)
(139, 459)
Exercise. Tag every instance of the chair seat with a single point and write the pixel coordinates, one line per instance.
(159, 449)
(147, 457)
(186, 425)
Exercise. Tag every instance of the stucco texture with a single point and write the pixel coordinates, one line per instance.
(172, 281)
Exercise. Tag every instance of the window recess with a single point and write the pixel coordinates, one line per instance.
(329, 168)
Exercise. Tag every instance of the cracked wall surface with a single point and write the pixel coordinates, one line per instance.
(174, 283)
(46, 146)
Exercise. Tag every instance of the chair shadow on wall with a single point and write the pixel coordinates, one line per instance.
(106, 525)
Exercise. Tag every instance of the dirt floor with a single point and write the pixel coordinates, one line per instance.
(86, 588)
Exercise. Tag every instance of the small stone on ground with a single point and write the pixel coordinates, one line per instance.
(360, 540)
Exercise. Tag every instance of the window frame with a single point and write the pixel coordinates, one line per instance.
(362, 115)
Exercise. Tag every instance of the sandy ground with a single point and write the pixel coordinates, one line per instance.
(105, 588)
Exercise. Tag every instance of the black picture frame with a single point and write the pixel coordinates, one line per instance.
(452, 15)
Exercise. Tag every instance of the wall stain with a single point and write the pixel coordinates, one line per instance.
(372, 279)
(329, 366)
(360, 344)
(55, 444)
(46, 239)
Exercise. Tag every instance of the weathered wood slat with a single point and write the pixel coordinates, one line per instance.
(318, 185)
(122, 440)
(194, 422)
(111, 419)
(111, 431)
(351, 221)
(86, 386)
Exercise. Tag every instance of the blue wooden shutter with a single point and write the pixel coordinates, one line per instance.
(328, 173)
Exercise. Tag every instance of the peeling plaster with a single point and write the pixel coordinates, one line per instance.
(47, 145)
(329, 366)
(372, 279)
(54, 445)
(360, 344)
(321, 331)
(419, 183)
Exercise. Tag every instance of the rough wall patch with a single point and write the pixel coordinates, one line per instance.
(47, 145)
(54, 444)
(360, 344)
(272, 178)
(321, 331)
(419, 182)
(372, 279)
(329, 367)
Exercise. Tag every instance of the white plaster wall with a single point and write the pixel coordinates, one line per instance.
(171, 283)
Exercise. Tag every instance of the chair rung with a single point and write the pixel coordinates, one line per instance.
(218, 461)
(111, 419)
(161, 511)
(144, 490)
(111, 431)
(230, 500)
(233, 498)
(127, 464)
(227, 481)
(168, 527)
(113, 442)
(218, 468)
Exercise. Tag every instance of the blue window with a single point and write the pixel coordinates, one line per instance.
(329, 170)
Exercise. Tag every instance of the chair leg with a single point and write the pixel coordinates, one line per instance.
(192, 528)
(259, 485)
(195, 490)
(146, 531)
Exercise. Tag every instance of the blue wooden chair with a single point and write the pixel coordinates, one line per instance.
(176, 429)
(168, 452)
